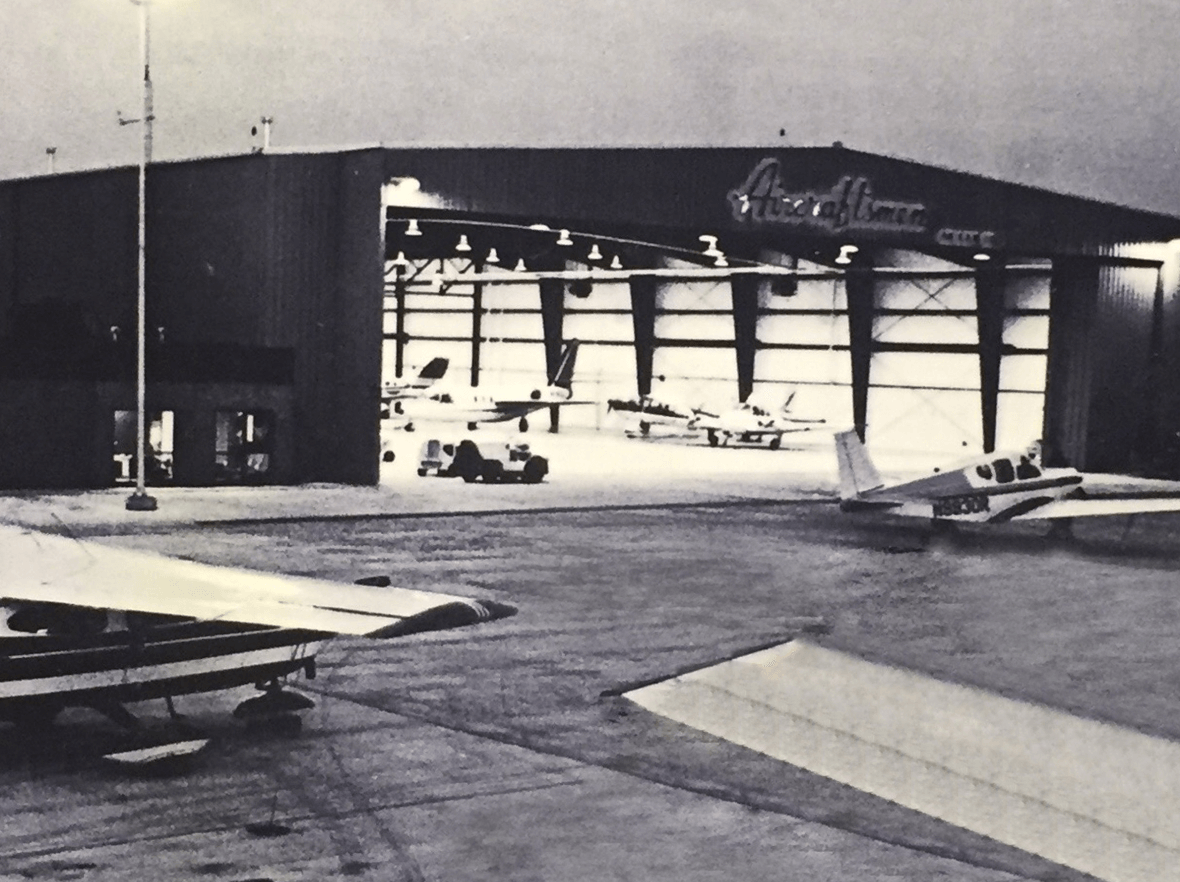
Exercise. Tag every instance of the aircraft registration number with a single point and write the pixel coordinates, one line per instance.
(948, 506)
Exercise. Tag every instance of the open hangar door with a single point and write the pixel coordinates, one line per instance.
(927, 391)
(693, 355)
(802, 350)
(599, 317)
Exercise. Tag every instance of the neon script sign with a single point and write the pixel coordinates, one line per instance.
(849, 205)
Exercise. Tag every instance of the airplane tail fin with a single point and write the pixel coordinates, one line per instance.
(564, 375)
(434, 369)
(858, 475)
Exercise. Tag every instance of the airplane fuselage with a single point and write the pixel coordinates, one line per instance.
(984, 493)
(85, 667)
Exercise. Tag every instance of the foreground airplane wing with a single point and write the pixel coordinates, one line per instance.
(42, 568)
(1083, 506)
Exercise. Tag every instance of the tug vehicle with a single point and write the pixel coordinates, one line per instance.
(511, 462)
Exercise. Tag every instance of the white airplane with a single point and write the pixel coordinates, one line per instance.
(988, 489)
(751, 423)
(500, 407)
(393, 394)
(86, 625)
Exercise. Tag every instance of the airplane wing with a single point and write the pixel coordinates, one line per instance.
(39, 567)
(1083, 506)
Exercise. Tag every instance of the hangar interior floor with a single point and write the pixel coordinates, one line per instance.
(506, 751)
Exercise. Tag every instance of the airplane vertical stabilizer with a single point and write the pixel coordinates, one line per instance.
(434, 370)
(564, 375)
(858, 475)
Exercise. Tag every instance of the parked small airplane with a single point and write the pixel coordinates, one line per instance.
(646, 411)
(500, 407)
(751, 423)
(990, 489)
(86, 625)
(393, 394)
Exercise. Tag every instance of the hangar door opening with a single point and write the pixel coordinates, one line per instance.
(925, 380)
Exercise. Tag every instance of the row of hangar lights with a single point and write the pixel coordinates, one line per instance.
(598, 265)
(594, 256)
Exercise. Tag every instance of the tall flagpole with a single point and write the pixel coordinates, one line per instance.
(139, 500)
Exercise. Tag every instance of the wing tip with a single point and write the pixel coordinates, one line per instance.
(457, 614)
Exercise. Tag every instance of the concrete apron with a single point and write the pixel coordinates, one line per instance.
(1088, 795)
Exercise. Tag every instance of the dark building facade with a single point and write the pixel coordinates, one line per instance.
(270, 280)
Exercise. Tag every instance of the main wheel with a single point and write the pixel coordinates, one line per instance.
(713, 439)
(775, 442)
(535, 470)
(493, 471)
(524, 424)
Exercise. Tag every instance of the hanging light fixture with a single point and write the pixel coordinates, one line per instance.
(615, 263)
(564, 238)
(400, 260)
(520, 267)
(720, 260)
(492, 257)
(412, 228)
(594, 254)
(845, 256)
(711, 249)
(463, 245)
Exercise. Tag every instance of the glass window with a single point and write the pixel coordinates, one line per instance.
(1005, 474)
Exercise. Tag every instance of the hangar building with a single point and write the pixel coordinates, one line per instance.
(927, 307)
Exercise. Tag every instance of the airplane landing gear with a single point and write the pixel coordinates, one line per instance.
(274, 710)
(524, 424)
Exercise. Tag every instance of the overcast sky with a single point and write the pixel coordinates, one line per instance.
(1075, 95)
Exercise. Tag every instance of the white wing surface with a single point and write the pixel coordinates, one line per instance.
(1081, 507)
(38, 567)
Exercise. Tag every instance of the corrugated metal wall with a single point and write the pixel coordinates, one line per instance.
(275, 252)
(1100, 396)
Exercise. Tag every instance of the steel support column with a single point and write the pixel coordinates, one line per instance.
(643, 319)
(552, 293)
(399, 297)
(476, 323)
(989, 312)
(745, 330)
(860, 285)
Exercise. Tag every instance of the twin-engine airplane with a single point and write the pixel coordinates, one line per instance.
(752, 424)
(990, 489)
(86, 625)
(501, 407)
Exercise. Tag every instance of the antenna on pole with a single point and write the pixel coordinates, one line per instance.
(50, 152)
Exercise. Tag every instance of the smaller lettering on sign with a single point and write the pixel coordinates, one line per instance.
(953, 238)
(950, 506)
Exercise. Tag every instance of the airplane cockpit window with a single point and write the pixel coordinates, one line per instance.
(984, 471)
(1026, 470)
(1005, 474)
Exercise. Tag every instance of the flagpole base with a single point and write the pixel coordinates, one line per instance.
(141, 502)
